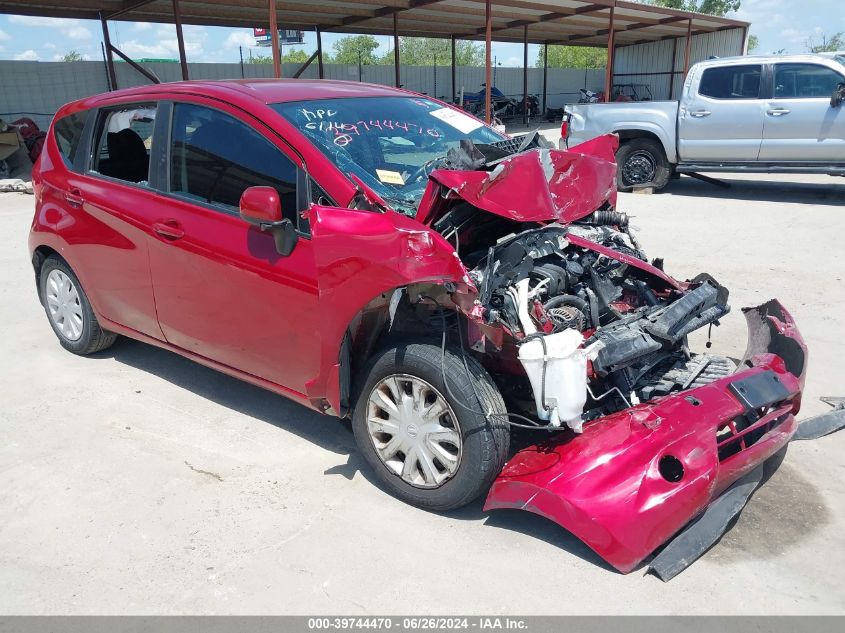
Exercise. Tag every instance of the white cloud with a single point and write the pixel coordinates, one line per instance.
(4, 37)
(49, 46)
(77, 33)
(28, 55)
(142, 26)
(239, 38)
(29, 20)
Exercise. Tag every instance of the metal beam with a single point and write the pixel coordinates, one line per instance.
(545, 75)
(611, 44)
(488, 75)
(631, 27)
(525, 75)
(136, 65)
(453, 69)
(320, 70)
(386, 12)
(109, 56)
(305, 65)
(274, 40)
(177, 19)
(128, 5)
(396, 74)
(547, 17)
(688, 48)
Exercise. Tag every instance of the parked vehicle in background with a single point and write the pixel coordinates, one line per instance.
(631, 92)
(774, 114)
(588, 96)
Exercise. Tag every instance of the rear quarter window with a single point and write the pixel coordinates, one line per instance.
(68, 133)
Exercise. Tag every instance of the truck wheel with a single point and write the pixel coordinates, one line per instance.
(431, 446)
(641, 162)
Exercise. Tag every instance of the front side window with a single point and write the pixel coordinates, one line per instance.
(389, 143)
(805, 81)
(123, 142)
(214, 157)
(731, 82)
(68, 132)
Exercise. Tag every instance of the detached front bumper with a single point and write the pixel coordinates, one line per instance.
(633, 479)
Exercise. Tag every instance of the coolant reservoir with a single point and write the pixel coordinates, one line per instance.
(565, 376)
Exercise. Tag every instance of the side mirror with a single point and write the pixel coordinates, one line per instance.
(838, 96)
(261, 207)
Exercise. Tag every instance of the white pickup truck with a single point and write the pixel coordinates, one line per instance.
(774, 114)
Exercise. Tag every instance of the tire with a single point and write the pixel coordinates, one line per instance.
(69, 311)
(484, 442)
(641, 162)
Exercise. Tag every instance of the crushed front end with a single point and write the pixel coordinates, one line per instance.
(588, 342)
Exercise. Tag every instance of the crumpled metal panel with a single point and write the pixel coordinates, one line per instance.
(605, 485)
(539, 185)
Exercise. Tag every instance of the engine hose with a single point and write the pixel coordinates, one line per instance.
(615, 218)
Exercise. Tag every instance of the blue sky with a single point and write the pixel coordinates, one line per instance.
(778, 23)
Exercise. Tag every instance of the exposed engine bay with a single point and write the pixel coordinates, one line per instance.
(597, 327)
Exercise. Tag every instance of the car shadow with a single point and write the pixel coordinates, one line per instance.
(824, 193)
(326, 432)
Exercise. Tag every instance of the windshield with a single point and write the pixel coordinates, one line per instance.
(391, 143)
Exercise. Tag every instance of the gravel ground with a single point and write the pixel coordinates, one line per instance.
(138, 482)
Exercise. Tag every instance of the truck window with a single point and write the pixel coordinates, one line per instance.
(803, 81)
(731, 82)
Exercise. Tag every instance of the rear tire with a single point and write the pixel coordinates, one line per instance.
(641, 162)
(429, 445)
(69, 311)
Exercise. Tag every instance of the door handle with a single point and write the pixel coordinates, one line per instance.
(74, 198)
(168, 229)
(699, 114)
(777, 111)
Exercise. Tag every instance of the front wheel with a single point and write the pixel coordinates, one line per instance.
(641, 162)
(433, 446)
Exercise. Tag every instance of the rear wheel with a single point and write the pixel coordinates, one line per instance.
(641, 162)
(69, 311)
(429, 445)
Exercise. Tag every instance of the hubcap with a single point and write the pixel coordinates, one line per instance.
(414, 431)
(63, 305)
(639, 168)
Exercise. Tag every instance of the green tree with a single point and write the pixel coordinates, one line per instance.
(421, 51)
(753, 43)
(574, 57)
(72, 56)
(295, 56)
(711, 7)
(828, 43)
(351, 50)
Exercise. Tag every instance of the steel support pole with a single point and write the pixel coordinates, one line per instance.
(274, 40)
(688, 49)
(488, 52)
(525, 75)
(109, 55)
(454, 93)
(320, 70)
(611, 45)
(177, 19)
(397, 78)
(545, 74)
(672, 69)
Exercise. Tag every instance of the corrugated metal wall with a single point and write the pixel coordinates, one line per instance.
(38, 89)
(651, 63)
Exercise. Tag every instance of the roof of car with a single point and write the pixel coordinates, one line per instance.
(266, 90)
(766, 59)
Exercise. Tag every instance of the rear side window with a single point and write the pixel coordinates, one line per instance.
(731, 82)
(123, 141)
(214, 157)
(68, 132)
(803, 81)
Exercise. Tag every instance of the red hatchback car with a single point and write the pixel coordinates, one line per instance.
(379, 255)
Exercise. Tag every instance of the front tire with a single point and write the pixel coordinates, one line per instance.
(641, 162)
(69, 311)
(431, 446)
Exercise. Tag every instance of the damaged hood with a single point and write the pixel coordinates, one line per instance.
(537, 185)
